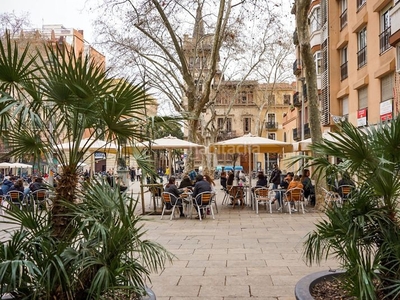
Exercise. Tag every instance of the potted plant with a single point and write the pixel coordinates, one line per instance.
(106, 255)
(71, 252)
(363, 234)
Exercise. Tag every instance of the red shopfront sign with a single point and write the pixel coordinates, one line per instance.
(362, 117)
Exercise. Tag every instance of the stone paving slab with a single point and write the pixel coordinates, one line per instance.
(239, 255)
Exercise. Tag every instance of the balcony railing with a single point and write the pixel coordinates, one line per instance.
(362, 57)
(297, 67)
(297, 132)
(343, 19)
(343, 71)
(296, 99)
(384, 40)
(271, 125)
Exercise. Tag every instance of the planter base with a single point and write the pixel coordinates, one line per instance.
(304, 286)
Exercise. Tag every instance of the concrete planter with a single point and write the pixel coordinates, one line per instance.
(304, 285)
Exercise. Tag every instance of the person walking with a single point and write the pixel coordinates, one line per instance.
(139, 174)
(275, 177)
(132, 173)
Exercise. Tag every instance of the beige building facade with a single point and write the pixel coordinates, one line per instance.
(356, 53)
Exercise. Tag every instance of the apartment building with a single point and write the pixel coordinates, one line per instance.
(237, 107)
(353, 43)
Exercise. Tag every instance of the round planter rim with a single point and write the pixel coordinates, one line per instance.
(305, 284)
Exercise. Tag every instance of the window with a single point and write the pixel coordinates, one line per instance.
(385, 31)
(243, 97)
(362, 47)
(271, 99)
(343, 63)
(387, 87)
(361, 3)
(220, 123)
(229, 125)
(363, 98)
(246, 125)
(343, 13)
(271, 124)
(318, 62)
(272, 136)
(286, 99)
(315, 19)
(345, 107)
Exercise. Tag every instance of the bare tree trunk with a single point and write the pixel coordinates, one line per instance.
(302, 9)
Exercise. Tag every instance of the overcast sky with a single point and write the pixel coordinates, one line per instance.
(70, 13)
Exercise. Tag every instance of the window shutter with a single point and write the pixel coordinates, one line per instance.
(345, 106)
(363, 98)
(387, 88)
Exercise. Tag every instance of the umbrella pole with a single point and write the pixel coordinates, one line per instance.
(250, 173)
(170, 162)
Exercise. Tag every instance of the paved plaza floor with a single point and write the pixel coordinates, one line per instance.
(239, 255)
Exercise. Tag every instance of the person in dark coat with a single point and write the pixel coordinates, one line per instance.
(186, 183)
(172, 189)
(200, 186)
(275, 177)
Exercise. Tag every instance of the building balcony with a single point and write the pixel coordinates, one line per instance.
(271, 125)
(297, 133)
(226, 135)
(297, 67)
(384, 40)
(296, 100)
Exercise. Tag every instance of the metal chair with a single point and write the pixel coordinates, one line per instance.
(262, 196)
(170, 202)
(16, 198)
(345, 191)
(40, 198)
(331, 197)
(295, 195)
(203, 201)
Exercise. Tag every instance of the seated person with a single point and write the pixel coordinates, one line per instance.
(307, 186)
(38, 184)
(295, 183)
(283, 185)
(223, 180)
(262, 180)
(231, 178)
(171, 188)
(186, 182)
(6, 185)
(19, 187)
(200, 186)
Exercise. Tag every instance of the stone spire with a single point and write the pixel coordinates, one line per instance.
(198, 30)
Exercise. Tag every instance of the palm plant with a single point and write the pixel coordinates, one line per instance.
(364, 234)
(50, 96)
(107, 256)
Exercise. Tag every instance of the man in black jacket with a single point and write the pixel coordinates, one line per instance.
(275, 177)
(200, 186)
